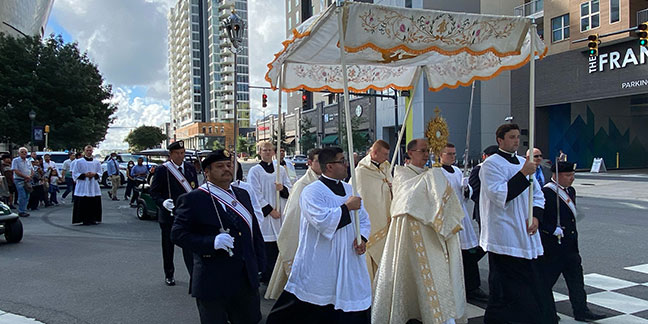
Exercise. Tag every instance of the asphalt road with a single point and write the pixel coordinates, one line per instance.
(112, 272)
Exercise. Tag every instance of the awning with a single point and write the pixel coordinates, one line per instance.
(289, 141)
(330, 139)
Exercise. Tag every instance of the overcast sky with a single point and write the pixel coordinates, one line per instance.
(127, 39)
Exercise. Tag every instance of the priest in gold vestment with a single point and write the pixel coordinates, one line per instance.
(374, 186)
(289, 235)
(420, 274)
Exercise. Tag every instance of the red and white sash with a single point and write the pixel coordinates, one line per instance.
(179, 176)
(564, 196)
(230, 201)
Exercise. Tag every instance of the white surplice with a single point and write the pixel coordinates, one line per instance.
(288, 237)
(326, 269)
(86, 187)
(504, 224)
(467, 236)
(253, 198)
(263, 184)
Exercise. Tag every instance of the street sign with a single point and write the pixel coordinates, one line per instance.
(39, 134)
(598, 166)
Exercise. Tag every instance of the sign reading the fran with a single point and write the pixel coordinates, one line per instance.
(614, 60)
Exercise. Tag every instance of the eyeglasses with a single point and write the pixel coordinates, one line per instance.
(537, 156)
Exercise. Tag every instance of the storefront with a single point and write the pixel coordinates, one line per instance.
(589, 107)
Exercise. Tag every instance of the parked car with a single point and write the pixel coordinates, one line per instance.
(57, 157)
(299, 161)
(122, 159)
(10, 224)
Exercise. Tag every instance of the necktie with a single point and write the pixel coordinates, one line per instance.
(540, 177)
(180, 169)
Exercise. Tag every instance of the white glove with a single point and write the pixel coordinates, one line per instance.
(168, 204)
(558, 232)
(223, 241)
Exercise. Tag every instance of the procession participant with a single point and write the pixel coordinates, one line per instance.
(475, 184)
(66, 173)
(471, 253)
(561, 255)
(170, 180)
(262, 178)
(289, 234)
(420, 274)
(374, 186)
(329, 282)
(239, 183)
(288, 166)
(217, 223)
(87, 194)
(418, 155)
(517, 291)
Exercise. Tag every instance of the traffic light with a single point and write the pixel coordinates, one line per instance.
(642, 32)
(46, 128)
(305, 100)
(593, 44)
(264, 100)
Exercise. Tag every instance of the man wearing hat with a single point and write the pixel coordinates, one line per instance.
(216, 222)
(170, 180)
(475, 183)
(560, 239)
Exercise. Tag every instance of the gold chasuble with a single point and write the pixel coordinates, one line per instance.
(421, 274)
(288, 237)
(374, 188)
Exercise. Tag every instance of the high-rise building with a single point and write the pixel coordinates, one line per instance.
(201, 69)
(21, 18)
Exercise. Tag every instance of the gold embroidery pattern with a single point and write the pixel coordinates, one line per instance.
(378, 236)
(356, 74)
(438, 219)
(424, 267)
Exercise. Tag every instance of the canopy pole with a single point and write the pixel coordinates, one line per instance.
(531, 111)
(417, 77)
(278, 148)
(470, 110)
(347, 117)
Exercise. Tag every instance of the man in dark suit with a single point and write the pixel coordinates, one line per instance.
(560, 239)
(475, 183)
(217, 223)
(170, 180)
(543, 167)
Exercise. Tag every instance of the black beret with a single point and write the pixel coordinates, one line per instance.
(491, 150)
(175, 145)
(564, 167)
(218, 155)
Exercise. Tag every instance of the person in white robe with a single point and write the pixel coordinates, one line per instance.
(288, 166)
(374, 186)
(87, 194)
(289, 234)
(239, 183)
(262, 178)
(329, 282)
(470, 250)
(420, 275)
(516, 283)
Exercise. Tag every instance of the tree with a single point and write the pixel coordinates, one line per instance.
(243, 146)
(308, 138)
(360, 139)
(217, 145)
(145, 137)
(60, 84)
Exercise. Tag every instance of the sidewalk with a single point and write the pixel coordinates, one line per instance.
(8, 318)
(616, 184)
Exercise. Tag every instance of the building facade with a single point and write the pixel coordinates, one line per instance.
(201, 65)
(23, 18)
(589, 107)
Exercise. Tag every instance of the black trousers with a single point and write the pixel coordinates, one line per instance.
(167, 252)
(289, 309)
(272, 252)
(243, 308)
(470, 259)
(518, 292)
(569, 265)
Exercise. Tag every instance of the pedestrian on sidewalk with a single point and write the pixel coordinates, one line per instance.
(66, 174)
(38, 191)
(23, 173)
(113, 172)
(54, 181)
(130, 181)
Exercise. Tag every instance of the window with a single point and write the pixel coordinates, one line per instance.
(560, 28)
(290, 22)
(196, 98)
(590, 15)
(288, 4)
(614, 11)
(408, 3)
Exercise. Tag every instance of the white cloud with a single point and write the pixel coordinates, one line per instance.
(127, 39)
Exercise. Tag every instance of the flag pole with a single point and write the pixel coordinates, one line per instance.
(532, 34)
(408, 110)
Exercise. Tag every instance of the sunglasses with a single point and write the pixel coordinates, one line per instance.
(537, 156)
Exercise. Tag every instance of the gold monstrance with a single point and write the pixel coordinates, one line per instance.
(437, 135)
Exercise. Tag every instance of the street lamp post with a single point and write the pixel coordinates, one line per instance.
(234, 26)
(32, 116)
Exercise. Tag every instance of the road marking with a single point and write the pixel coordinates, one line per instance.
(623, 319)
(8, 318)
(606, 283)
(643, 268)
(632, 205)
(618, 302)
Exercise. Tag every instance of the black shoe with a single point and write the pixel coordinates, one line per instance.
(115, 198)
(477, 295)
(23, 215)
(588, 316)
(169, 281)
(110, 194)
